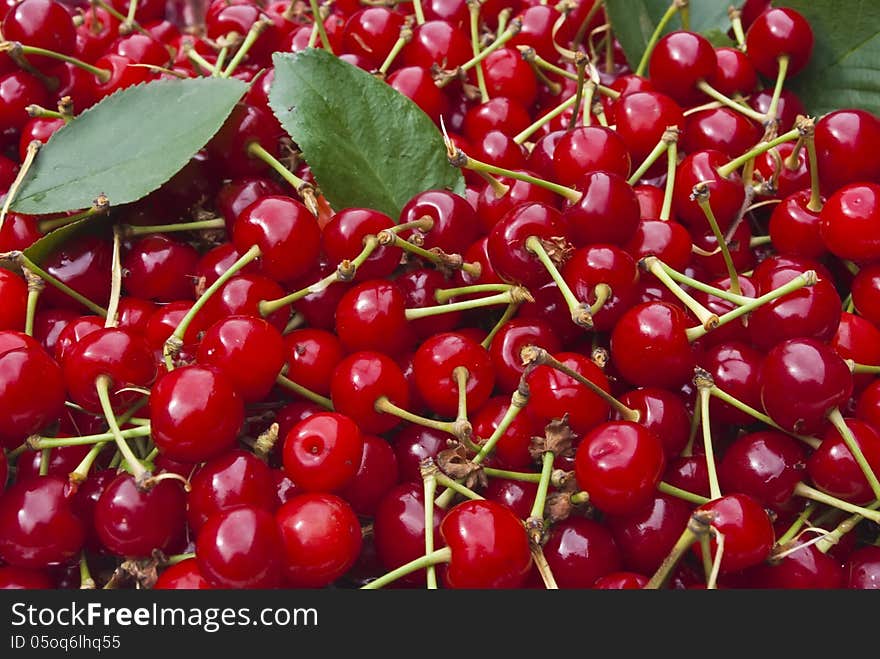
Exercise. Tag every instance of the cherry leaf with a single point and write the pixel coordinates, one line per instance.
(366, 144)
(127, 145)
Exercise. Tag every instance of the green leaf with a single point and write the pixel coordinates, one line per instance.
(40, 249)
(127, 145)
(366, 144)
(633, 22)
(844, 70)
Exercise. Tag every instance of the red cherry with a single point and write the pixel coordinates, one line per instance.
(84, 264)
(320, 537)
(726, 194)
(662, 412)
(505, 348)
(359, 381)
(646, 535)
(788, 107)
(778, 32)
(796, 230)
(235, 478)
(747, 530)
(489, 545)
(22, 578)
(735, 369)
(455, 223)
(38, 526)
(679, 61)
(588, 149)
(507, 74)
(416, 83)
(512, 449)
(375, 476)
(834, 470)
(413, 444)
(371, 33)
(343, 238)
(668, 241)
(434, 367)
(721, 129)
(848, 222)
(845, 140)
(642, 117)
(133, 522)
(804, 566)
(182, 576)
(14, 292)
(619, 464)
(863, 568)
(323, 452)
(370, 316)
(159, 268)
(506, 243)
(858, 339)
(240, 548)
(580, 551)
(734, 72)
(41, 24)
(604, 264)
(605, 196)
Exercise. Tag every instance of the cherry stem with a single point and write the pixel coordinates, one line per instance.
(704, 384)
(737, 106)
(722, 395)
(443, 295)
(698, 526)
(808, 492)
(670, 136)
(603, 293)
(140, 474)
(250, 39)
(300, 390)
(131, 231)
(458, 158)
(306, 191)
(86, 582)
(175, 342)
(726, 170)
(862, 368)
(582, 29)
(419, 12)
(847, 525)
(655, 36)
(711, 581)
(581, 64)
(25, 262)
(32, 148)
(456, 487)
(460, 375)
(429, 482)
(815, 202)
(509, 313)
(38, 443)
(35, 286)
(837, 420)
(509, 33)
(653, 265)
(535, 522)
(735, 16)
(81, 472)
(101, 205)
(197, 59)
(580, 311)
(436, 256)
(442, 555)
(543, 567)
(793, 530)
(345, 271)
(384, 405)
(518, 401)
(115, 282)
(706, 556)
(405, 37)
(672, 165)
(807, 278)
(516, 295)
(102, 75)
(703, 287)
(771, 118)
(526, 133)
(534, 355)
(474, 11)
(521, 476)
(217, 70)
(678, 493)
(701, 195)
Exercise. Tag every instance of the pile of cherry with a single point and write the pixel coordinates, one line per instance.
(639, 352)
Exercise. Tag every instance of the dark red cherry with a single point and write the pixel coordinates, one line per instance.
(375, 476)
(84, 264)
(419, 286)
(249, 351)
(848, 222)
(505, 348)
(43, 24)
(662, 412)
(720, 129)
(646, 535)
(649, 345)
(619, 464)
(489, 545)
(516, 495)
(413, 444)
(679, 61)
(246, 124)
(434, 367)
(512, 449)
(588, 149)
(455, 223)
(240, 548)
(159, 268)
(371, 316)
(241, 295)
(499, 149)
(735, 369)
(320, 538)
(537, 31)
(788, 107)
(38, 526)
(236, 195)
(399, 529)
(779, 32)
(845, 140)
(182, 576)
(621, 581)
(579, 551)
(18, 90)
(323, 452)
(235, 478)
(499, 113)
(312, 357)
(747, 530)
(803, 566)
(362, 378)
(642, 117)
(862, 568)
(690, 473)
(19, 231)
(608, 211)
(371, 33)
(22, 578)
(599, 264)
(668, 241)
(506, 243)
(61, 461)
(802, 380)
(491, 207)
(416, 83)
(833, 469)
(133, 522)
(343, 238)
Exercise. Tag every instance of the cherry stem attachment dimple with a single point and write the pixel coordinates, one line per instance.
(580, 311)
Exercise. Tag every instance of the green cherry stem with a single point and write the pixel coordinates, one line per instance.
(516, 295)
(300, 390)
(175, 341)
(735, 16)
(698, 526)
(703, 382)
(837, 420)
(131, 231)
(86, 582)
(684, 495)
(535, 521)
(460, 375)
(701, 195)
(671, 10)
(220, 62)
(792, 532)
(306, 191)
(405, 37)
(429, 471)
(815, 203)
(455, 486)
(521, 476)
(670, 136)
(807, 278)
(443, 295)
(509, 33)
(249, 40)
(101, 205)
(140, 474)
(438, 556)
(696, 284)
(103, 75)
(580, 311)
(603, 293)
(580, 62)
(811, 493)
(435, 256)
(115, 282)
(81, 472)
(509, 313)
(862, 368)
(419, 12)
(847, 525)
(200, 62)
(742, 108)
(726, 170)
(474, 12)
(534, 356)
(653, 265)
(35, 286)
(771, 117)
(345, 271)
(384, 405)
(23, 261)
(671, 167)
(521, 137)
(38, 442)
